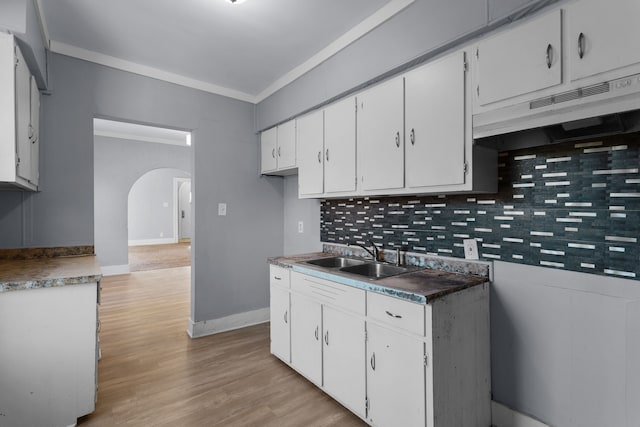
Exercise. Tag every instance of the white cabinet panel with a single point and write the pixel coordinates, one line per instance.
(310, 142)
(521, 60)
(435, 123)
(286, 146)
(395, 378)
(23, 117)
(396, 312)
(279, 276)
(602, 36)
(280, 329)
(343, 357)
(268, 142)
(340, 146)
(306, 335)
(380, 136)
(34, 132)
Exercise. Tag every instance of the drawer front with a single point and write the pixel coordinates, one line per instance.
(329, 292)
(279, 276)
(396, 312)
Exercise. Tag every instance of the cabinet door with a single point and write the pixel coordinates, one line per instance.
(286, 147)
(434, 120)
(268, 140)
(306, 335)
(602, 36)
(520, 60)
(340, 146)
(310, 142)
(380, 136)
(34, 131)
(343, 358)
(23, 113)
(280, 330)
(395, 378)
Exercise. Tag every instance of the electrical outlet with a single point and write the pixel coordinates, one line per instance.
(300, 227)
(470, 248)
(222, 209)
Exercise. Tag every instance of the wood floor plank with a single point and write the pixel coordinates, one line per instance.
(153, 374)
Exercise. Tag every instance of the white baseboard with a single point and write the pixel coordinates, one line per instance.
(502, 416)
(229, 323)
(114, 270)
(144, 242)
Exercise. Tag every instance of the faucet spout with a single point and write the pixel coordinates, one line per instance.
(375, 253)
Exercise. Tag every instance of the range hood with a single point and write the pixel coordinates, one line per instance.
(602, 109)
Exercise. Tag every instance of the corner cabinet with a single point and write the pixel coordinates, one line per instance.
(19, 119)
(278, 150)
(391, 361)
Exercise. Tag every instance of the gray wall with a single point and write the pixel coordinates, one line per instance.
(118, 164)
(229, 273)
(420, 29)
(565, 346)
(152, 205)
(305, 210)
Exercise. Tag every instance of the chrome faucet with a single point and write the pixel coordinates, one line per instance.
(375, 253)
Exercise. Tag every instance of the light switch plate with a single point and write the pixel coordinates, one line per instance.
(300, 227)
(222, 209)
(470, 248)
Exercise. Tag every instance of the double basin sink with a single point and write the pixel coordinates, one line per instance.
(370, 269)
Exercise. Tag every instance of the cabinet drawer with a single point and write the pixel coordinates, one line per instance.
(279, 276)
(395, 312)
(329, 292)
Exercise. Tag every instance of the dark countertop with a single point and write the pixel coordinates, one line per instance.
(421, 286)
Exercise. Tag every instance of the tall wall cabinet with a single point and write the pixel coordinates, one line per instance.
(19, 119)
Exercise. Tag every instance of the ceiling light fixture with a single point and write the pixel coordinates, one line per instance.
(236, 1)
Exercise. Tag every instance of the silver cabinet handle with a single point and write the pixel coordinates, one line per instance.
(286, 316)
(581, 45)
(398, 139)
(319, 156)
(326, 338)
(326, 155)
(277, 278)
(273, 153)
(412, 136)
(316, 333)
(395, 316)
(279, 152)
(373, 361)
(549, 55)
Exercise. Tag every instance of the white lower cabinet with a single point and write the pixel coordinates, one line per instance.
(390, 361)
(395, 378)
(280, 331)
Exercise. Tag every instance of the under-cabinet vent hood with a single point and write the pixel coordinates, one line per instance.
(605, 108)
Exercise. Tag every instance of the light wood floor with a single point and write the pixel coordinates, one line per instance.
(153, 374)
(154, 257)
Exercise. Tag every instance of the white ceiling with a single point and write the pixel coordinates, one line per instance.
(245, 51)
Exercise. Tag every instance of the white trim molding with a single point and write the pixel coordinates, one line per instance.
(229, 323)
(373, 21)
(144, 242)
(114, 270)
(502, 416)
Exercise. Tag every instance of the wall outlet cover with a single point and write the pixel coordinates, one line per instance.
(222, 209)
(300, 227)
(470, 248)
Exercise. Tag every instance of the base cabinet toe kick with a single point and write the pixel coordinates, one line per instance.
(390, 361)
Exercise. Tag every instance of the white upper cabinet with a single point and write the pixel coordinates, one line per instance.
(380, 137)
(602, 36)
(268, 142)
(435, 123)
(19, 119)
(310, 141)
(340, 146)
(278, 149)
(521, 60)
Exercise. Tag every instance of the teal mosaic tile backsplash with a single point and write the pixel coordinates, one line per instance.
(573, 206)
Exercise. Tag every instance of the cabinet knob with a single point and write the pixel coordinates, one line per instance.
(549, 55)
(398, 139)
(581, 45)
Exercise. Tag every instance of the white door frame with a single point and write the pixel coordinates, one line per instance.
(176, 212)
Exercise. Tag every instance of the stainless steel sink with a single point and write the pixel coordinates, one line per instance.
(336, 262)
(376, 270)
